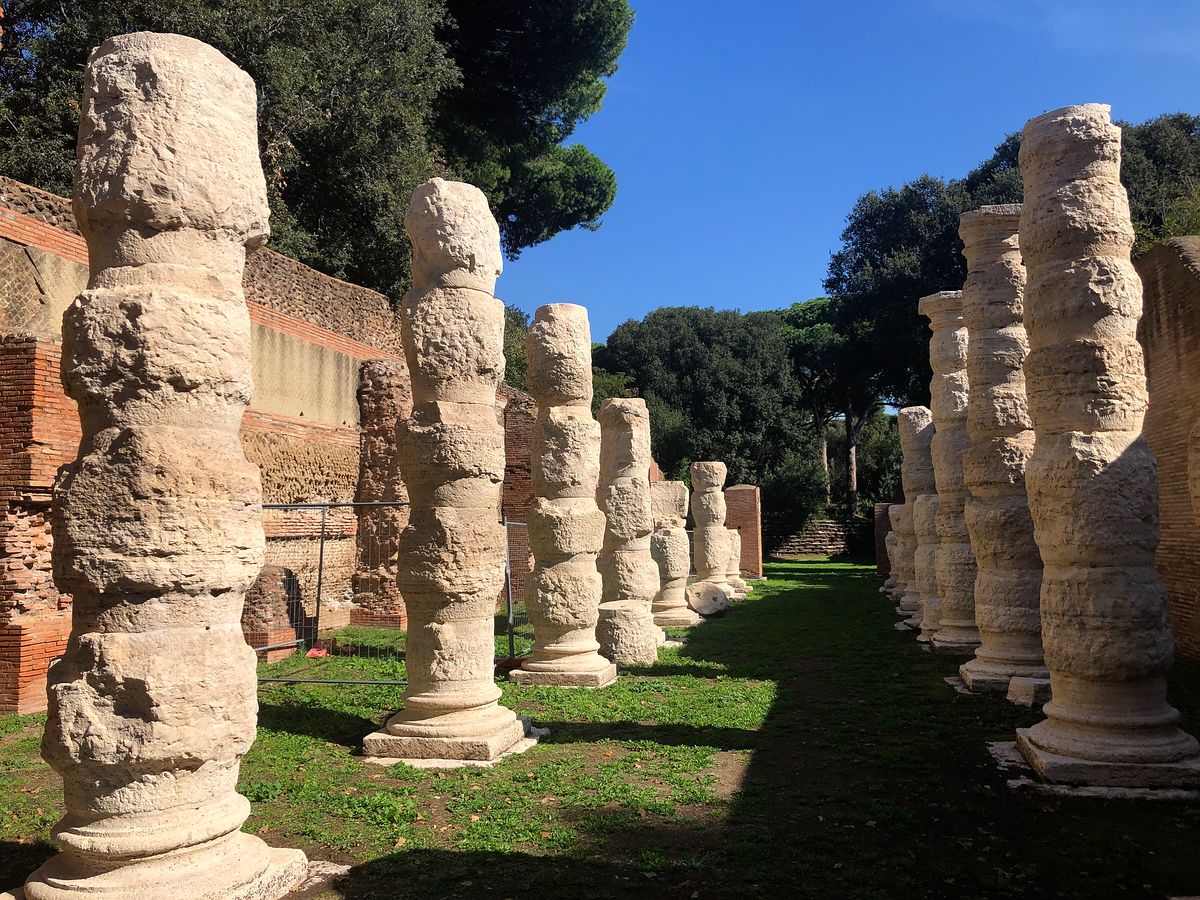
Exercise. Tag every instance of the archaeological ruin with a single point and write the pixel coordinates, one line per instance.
(672, 552)
(451, 556)
(1008, 576)
(566, 527)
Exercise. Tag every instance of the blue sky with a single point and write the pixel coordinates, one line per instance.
(742, 132)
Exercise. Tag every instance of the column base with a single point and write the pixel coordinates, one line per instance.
(1031, 692)
(983, 677)
(594, 679)
(481, 748)
(285, 869)
(677, 618)
(1070, 770)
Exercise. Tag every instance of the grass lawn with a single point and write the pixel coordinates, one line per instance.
(798, 747)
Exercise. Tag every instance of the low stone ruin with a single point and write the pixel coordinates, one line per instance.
(451, 555)
(566, 528)
(626, 628)
(159, 529)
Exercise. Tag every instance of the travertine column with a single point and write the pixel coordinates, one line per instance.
(158, 530)
(955, 561)
(906, 546)
(566, 528)
(709, 543)
(1008, 578)
(451, 558)
(626, 629)
(672, 551)
(733, 572)
(384, 398)
(895, 546)
(916, 438)
(1091, 478)
(916, 475)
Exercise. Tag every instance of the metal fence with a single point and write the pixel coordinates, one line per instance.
(327, 603)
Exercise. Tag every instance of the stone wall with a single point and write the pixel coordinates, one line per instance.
(743, 511)
(1169, 333)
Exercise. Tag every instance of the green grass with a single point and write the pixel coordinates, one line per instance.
(800, 746)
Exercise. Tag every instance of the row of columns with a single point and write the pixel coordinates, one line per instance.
(159, 522)
(1046, 496)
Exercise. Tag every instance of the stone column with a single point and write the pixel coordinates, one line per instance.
(384, 398)
(158, 532)
(895, 586)
(672, 551)
(733, 574)
(916, 437)
(451, 555)
(882, 528)
(626, 629)
(955, 561)
(709, 543)
(1091, 478)
(1008, 577)
(916, 476)
(566, 528)
(886, 565)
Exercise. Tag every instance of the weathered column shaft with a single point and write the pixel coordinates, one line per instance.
(672, 551)
(915, 424)
(907, 599)
(1092, 482)
(955, 560)
(626, 629)
(158, 522)
(709, 543)
(451, 555)
(733, 574)
(566, 527)
(1008, 575)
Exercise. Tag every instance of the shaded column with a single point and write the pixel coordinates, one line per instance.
(1091, 479)
(894, 586)
(916, 475)
(672, 551)
(626, 629)
(882, 528)
(955, 561)
(566, 527)
(158, 532)
(451, 555)
(1008, 576)
(384, 398)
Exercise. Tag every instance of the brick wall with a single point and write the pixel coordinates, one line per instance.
(1170, 336)
(743, 511)
(518, 417)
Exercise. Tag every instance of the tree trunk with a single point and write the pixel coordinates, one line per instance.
(823, 447)
(851, 468)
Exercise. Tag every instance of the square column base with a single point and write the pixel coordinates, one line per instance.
(1068, 770)
(953, 647)
(597, 679)
(483, 748)
(1031, 692)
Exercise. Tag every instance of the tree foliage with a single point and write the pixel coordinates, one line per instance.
(359, 102)
(516, 326)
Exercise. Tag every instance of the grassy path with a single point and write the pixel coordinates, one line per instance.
(798, 747)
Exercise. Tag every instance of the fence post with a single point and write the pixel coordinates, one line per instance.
(320, 575)
(512, 649)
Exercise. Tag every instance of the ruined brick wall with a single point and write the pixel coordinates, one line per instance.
(1170, 336)
(518, 416)
(271, 616)
(743, 511)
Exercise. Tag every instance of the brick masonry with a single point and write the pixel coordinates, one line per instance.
(1170, 336)
(743, 511)
(518, 417)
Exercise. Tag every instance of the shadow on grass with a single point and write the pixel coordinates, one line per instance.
(326, 724)
(18, 859)
(670, 735)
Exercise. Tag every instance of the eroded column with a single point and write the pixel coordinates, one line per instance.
(733, 572)
(916, 435)
(709, 544)
(626, 629)
(1092, 482)
(451, 555)
(892, 586)
(1008, 575)
(566, 527)
(672, 551)
(158, 531)
(916, 476)
(955, 561)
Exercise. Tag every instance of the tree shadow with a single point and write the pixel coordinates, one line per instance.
(666, 734)
(320, 722)
(18, 860)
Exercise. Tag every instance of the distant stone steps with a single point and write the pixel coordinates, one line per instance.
(820, 537)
